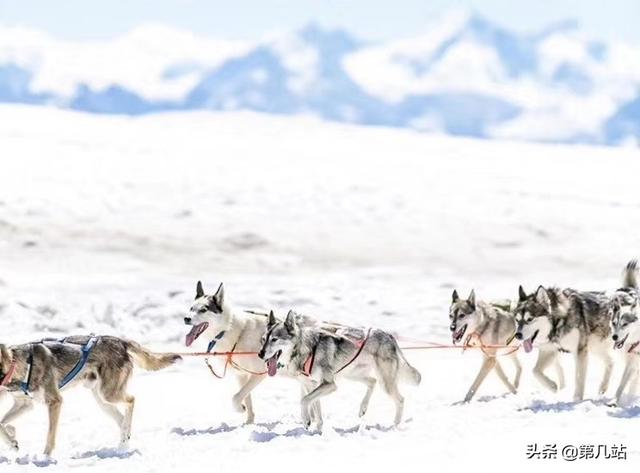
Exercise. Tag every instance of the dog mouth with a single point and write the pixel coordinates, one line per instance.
(272, 363)
(195, 332)
(620, 343)
(458, 334)
(528, 343)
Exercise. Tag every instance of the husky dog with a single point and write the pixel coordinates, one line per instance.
(227, 329)
(322, 356)
(625, 327)
(37, 370)
(492, 324)
(566, 321)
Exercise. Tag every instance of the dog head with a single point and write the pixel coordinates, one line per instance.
(533, 317)
(278, 341)
(208, 314)
(624, 321)
(463, 316)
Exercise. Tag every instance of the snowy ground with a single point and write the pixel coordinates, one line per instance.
(107, 222)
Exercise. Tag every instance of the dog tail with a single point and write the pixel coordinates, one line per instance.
(407, 373)
(630, 275)
(148, 360)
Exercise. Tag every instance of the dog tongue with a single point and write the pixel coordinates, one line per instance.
(191, 336)
(272, 366)
(528, 346)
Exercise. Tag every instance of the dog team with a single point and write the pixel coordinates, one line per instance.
(318, 354)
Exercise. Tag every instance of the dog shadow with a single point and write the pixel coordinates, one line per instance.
(630, 412)
(561, 406)
(104, 453)
(37, 460)
(364, 428)
(4, 460)
(221, 429)
(269, 435)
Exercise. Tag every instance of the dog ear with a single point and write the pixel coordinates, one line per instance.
(199, 290)
(521, 294)
(472, 298)
(290, 322)
(542, 296)
(219, 295)
(454, 296)
(271, 321)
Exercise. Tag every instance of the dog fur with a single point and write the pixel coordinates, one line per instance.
(106, 372)
(290, 345)
(565, 321)
(493, 324)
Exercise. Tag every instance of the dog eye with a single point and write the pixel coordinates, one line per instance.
(461, 316)
(274, 339)
(203, 310)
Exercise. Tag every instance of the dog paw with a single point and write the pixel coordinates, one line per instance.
(363, 411)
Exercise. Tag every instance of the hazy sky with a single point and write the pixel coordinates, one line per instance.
(373, 19)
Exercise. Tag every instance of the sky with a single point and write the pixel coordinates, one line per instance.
(369, 19)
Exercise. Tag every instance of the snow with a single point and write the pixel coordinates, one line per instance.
(106, 223)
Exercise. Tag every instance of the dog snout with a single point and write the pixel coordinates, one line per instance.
(452, 327)
(615, 337)
(261, 354)
(187, 320)
(519, 335)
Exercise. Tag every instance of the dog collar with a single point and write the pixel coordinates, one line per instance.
(215, 340)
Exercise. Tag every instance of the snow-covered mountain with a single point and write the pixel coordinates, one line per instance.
(466, 76)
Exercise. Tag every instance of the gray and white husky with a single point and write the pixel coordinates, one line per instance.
(491, 324)
(225, 328)
(37, 370)
(625, 327)
(565, 321)
(321, 356)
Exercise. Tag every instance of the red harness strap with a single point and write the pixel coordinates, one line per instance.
(308, 364)
(7, 377)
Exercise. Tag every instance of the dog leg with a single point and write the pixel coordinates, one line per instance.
(545, 358)
(581, 374)
(125, 432)
(392, 389)
(629, 369)
(503, 377)
(241, 396)
(325, 388)
(559, 373)
(54, 403)
(487, 366)
(7, 431)
(364, 405)
(606, 377)
(110, 409)
(518, 366)
(315, 408)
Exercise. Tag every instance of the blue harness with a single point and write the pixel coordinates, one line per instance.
(215, 340)
(86, 351)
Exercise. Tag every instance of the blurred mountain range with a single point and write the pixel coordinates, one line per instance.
(466, 76)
